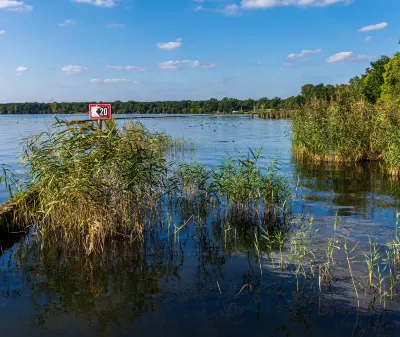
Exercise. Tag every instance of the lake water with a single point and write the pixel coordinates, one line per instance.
(196, 290)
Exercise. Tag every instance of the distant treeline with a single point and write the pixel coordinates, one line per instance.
(213, 105)
(370, 84)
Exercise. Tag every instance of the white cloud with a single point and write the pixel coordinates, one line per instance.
(371, 28)
(256, 4)
(116, 25)
(170, 45)
(73, 69)
(114, 80)
(15, 6)
(368, 38)
(303, 53)
(228, 10)
(98, 3)
(347, 56)
(22, 69)
(127, 68)
(174, 65)
(67, 23)
(2, 32)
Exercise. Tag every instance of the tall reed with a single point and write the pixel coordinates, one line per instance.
(348, 129)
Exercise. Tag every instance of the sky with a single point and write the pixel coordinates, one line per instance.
(149, 50)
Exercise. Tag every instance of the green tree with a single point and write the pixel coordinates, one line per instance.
(373, 81)
(390, 95)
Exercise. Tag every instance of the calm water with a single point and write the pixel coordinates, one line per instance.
(194, 289)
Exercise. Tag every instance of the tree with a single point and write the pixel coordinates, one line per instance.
(308, 91)
(390, 94)
(373, 81)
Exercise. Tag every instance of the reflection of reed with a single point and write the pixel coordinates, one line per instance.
(351, 184)
(209, 260)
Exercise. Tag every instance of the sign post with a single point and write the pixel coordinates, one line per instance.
(100, 112)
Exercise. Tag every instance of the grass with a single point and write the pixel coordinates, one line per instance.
(85, 185)
(273, 114)
(348, 129)
(91, 182)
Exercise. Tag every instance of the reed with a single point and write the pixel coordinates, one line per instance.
(97, 183)
(87, 185)
(347, 129)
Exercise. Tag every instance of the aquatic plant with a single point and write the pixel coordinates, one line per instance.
(347, 129)
(98, 183)
(87, 184)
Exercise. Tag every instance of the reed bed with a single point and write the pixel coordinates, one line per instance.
(88, 185)
(348, 129)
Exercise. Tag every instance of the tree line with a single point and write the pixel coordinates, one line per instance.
(369, 84)
(213, 105)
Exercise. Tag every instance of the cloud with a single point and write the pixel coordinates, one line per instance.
(127, 68)
(2, 32)
(303, 53)
(228, 10)
(114, 80)
(371, 28)
(257, 4)
(174, 65)
(368, 38)
(170, 45)
(67, 23)
(98, 3)
(347, 56)
(116, 25)
(15, 6)
(22, 69)
(73, 69)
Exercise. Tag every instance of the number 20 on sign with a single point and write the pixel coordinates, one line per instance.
(100, 111)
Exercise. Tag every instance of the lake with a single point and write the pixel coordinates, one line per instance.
(201, 287)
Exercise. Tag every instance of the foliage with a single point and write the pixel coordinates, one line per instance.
(391, 87)
(343, 130)
(94, 182)
(373, 80)
(361, 122)
(213, 105)
(86, 185)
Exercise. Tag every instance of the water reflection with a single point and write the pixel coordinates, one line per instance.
(362, 190)
(208, 281)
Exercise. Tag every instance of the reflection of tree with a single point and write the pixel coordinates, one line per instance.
(351, 184)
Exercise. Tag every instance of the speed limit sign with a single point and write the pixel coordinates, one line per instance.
(100, 111)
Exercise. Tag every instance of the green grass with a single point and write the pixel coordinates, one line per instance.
(348, 129)
(84, 185)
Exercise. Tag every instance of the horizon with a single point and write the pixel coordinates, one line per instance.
(123, 50)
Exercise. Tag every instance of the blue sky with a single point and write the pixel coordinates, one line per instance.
(81, 50)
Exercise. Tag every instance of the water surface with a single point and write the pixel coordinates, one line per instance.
(194, 288)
